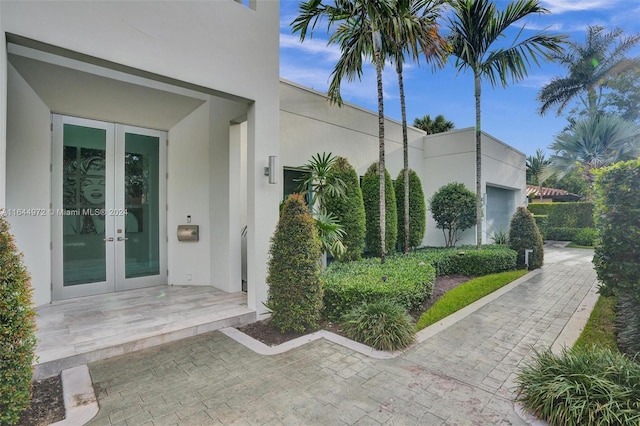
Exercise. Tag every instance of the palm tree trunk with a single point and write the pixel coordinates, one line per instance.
(478, 92)
(381, 165)
(405, 155)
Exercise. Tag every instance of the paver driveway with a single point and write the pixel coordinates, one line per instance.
(462, 375)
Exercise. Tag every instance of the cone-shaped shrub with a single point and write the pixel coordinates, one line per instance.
(417, 209)
(371, 198)
(17, 330)
(524, 235)
(295, 291)
(349, 209)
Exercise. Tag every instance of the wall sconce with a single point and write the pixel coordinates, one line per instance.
(272, 169)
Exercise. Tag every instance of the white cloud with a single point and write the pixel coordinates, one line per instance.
(310, 46)
(561, 6)
(535, 81)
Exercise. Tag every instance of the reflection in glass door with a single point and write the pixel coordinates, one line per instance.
(108, 226)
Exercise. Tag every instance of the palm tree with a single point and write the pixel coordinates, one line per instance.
(357, 28)
(536, 169)
(475, 27)
(591, 66)
(432, 126)
(594, 142)
(413, 30)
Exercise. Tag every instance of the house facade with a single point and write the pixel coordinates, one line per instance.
(136, 137)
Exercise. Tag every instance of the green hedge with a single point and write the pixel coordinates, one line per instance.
(406, 280)
(541, 221)
(470, 261)
(561, 233)
(565, 215)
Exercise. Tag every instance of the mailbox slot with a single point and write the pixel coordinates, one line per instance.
(188, 233)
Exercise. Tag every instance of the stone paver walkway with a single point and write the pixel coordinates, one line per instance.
(462, 375)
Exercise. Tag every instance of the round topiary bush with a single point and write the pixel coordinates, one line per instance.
(453, 207)
(524, 235)
(383, 325)
(371, 198)
(348, 209)
(17, 330)
(295, 291)
(417, 209)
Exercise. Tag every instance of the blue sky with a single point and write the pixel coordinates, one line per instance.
(510, 114)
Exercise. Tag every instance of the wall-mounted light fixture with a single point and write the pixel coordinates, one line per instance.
(272, 169)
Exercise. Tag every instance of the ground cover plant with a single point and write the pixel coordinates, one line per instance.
(405, 280)
(383, 325)
(17, 330)
(466, 294)
(581, 386)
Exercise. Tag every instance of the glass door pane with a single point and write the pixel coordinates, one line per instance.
(142, 203)
(83, 201)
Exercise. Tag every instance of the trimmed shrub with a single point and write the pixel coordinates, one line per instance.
(523, 235)
(617, 198)
(585, 237)
(541, 222)
(417, 210)
(383, 325)
(470, 261)
(406, 280)
(581, 386)
(371, 198)
(627, 325)
(17, 330)
(453, 207)
(565, 215)
(295, 291)
(349, 209)
(555, 233)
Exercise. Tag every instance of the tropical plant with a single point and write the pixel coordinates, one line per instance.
(295, 291)
(383, 325)
(453, 208)
(358, 30)
(536, 168)
(475, 26)
(581, 386)
(432, 126)
(348, 209)
(321, 183)
(500, 237)
(413, 30)
(591, 67)
(524, 235)
(370, 196)
(594, 142)
(623, 98)
(17, 330)
(417, 210)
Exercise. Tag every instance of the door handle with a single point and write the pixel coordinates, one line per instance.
(121, 239)
(108, 239)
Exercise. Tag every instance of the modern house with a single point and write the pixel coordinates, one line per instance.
(126, 124)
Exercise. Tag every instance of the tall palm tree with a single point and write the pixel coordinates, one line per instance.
(594, 142)
(357, 28)
(413, 30)
(475, 26)
(536, 169)
(591, 66)
(432, 126)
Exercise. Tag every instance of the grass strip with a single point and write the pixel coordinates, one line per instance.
(599, 330)
(465, 294)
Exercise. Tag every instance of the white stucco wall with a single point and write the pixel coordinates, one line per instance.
(220, 48)
(188, 195)
(3, 112)
(28, 181)
(450, 157)
(310, 125)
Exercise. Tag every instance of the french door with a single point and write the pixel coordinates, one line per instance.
(108, 207)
